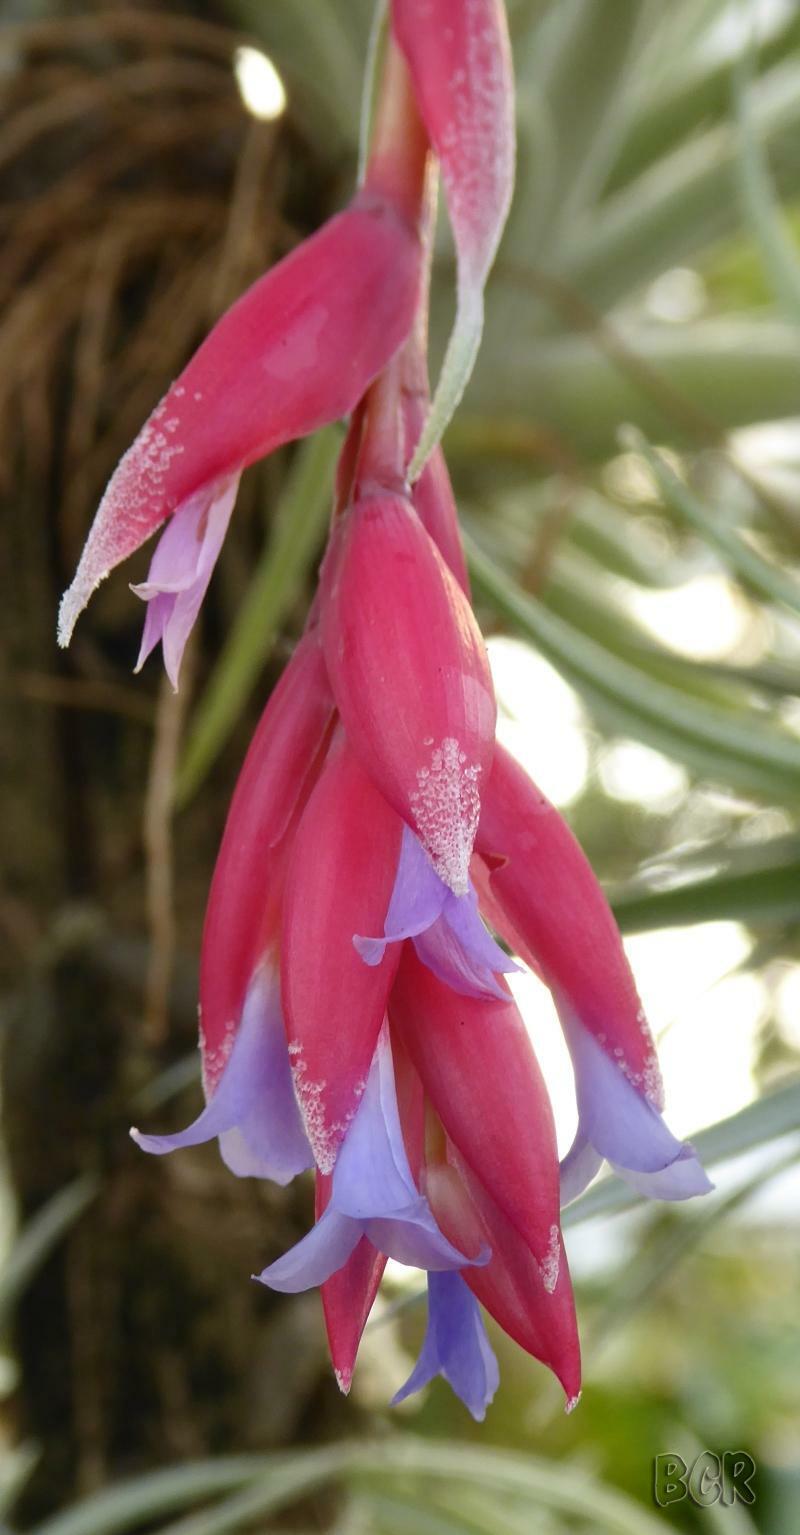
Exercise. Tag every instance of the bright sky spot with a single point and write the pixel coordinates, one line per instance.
(770, 452)
(260, 86)
(627, 477)
(541, 1021)
(787, 1006)
(630, 771)
(678, 295)
(705, 618)
(705, 1018)
(708, 1058)
(541, 719)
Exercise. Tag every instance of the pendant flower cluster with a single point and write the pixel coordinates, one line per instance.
(383, 857)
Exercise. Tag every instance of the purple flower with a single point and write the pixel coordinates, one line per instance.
(446, 929)
(373, 1194)
(181, 569)
(455, 1346)
(252, 1108)
(619, 1123)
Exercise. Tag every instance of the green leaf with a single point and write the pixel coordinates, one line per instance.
(780, 258)
(456, 369)
(276, 583)
(518, 1476)
(755, 885)
(131, 1503)
(277, 1481)
(679, 384)
(756, 572)
(673, 1235)
(375, 50)
(615, 540)
(453, 1512)
(693, 95)
(586, 90)
(734, 750)
(35, 1242)
(682, 204)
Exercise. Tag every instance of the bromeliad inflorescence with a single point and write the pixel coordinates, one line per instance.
(355, 1016)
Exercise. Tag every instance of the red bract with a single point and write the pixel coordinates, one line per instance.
(460, 62)
(348, 1296)
(296, 351)
(543, 882)
(410, 676)
(244, 901)
(532, 1302)
(341, 871)
(470, 1052)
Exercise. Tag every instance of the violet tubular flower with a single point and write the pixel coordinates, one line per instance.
(619, 1124)
(294, 353)
(446, 929)
(180, 571)
(455, 1347)
(427, 740)
(250, 1107)
(373, 1194)
(543, 885)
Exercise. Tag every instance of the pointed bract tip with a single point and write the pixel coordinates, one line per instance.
(71, 606)
(344, 1380)
(572, 1402)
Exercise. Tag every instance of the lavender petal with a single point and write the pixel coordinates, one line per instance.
(461, 952)
(684, 1178)
(181, 569)
(413, 1237)
(372, 1176)
(624, 1127)
(578, 1168)
(455, 1346)
(253, 1108)
(312, 1260)
(417, 900)
(373, 1183)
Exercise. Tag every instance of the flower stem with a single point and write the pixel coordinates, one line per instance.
(399, 150)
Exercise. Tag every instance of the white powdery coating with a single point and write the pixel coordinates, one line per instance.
(550, 1265)
(125, 515)
(648, 1081)
(477, 146)
(213, 1062)
(344, 1380)
(572, 1402)
(446, 807)
(323, 1138)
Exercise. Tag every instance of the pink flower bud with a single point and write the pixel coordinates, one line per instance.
(296, 351)
(348, 1296)
(244, 902)
(532, 1301)
(478, 1068)
(543, 882)
(340, 878)
(410, 676)
(460, 63)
